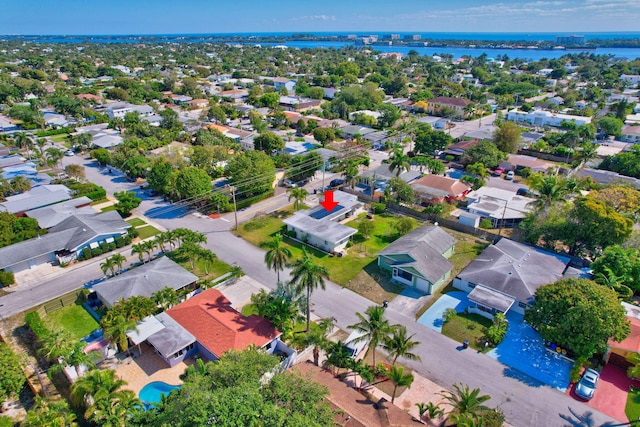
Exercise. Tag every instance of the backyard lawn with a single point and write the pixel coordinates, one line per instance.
(73, 319)
(633, 404)
(467, 327)
(341, 269)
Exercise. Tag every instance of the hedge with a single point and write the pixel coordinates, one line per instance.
(249, 201)
(6, 278)
(35, 323)
(92, 191)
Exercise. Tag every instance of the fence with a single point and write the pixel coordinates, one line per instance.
(58, 303)
(546, 156)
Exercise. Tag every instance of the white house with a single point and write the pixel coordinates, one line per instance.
(630, 79)
(322, 229)
(545, 118)
(504, 208)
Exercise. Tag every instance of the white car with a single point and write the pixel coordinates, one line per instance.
(69, 153)
(510, 175)
(587, 385)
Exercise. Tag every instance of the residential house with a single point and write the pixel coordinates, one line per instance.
(381, 175)
(545, 118)
(503, 208)
(419, 258)
(322, 229)
(631, 134)
(179, 99)
(630, 79)
(297, 103)
(144, 281)
(506, 275)
(458, 149)
(438, 189)
(51, 215)
(556, 100)
(198, 103)
(64, 241)
(330, 92)
(54, 120)
(6, 124)
(618, 351)
(605, 177)
(234, 95)
(375, 114)
(168, 338)
(350, 131)
(243, 137)
(284, 82)
(437, 105)
(37, 197)
(120, 109)
(218, 327)
(377, 139)
(517, 162)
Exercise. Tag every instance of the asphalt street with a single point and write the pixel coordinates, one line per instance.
(524, 401)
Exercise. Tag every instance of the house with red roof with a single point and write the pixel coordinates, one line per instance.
(218, 327)
(618, 351)
(437, 105)
(437, 189)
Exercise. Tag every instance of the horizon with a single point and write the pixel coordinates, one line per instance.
(146, 17)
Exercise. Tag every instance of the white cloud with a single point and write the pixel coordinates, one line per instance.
(314, 18)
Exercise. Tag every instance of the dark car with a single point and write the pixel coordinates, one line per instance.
(336, 183)
(524, 191)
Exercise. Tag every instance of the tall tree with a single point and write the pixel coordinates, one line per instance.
(277, 255)
(399, 161)
(298, 194)
(127, 201)
(193, 183)
(507, 137)
(308, 276)
(374, 328)
(399, 344)
(49, 413)
(116, 328)
(94, 383)
(578, 314)
(399, 379)
(466, 404)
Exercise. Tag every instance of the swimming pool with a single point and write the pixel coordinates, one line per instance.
(152, 392)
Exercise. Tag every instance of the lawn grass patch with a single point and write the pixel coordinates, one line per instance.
(632, 409)
(147, 231)
(108, 208)
(467, 326)
(74, 319)
(136, 222)
(99, 201)
(62, 138)
(341, 269)
(216, 268)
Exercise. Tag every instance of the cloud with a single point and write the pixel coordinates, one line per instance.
(314, 18)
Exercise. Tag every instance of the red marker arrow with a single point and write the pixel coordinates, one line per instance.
(328, 203)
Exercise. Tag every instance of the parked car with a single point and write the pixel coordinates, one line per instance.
(498, 171)
(524, 191)
(336, 183)
(587, 385)
(69, 153)
(510, 175)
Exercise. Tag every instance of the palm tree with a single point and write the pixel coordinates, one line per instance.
(79, 358)
(118, 259)
(160, 241)
(22, 140)
(317, 338)
(277, 255)
(88, 388)
(56, 345)
(308, 276)
(207, 257)
(149, 246)
(398, 344)
(54, 155)
(338, 355)
(108, 265)
(466, 403)
(549, 189)
(171, 238)
(139, 249)
(113, 410)
(166, 298)
(350, 173)
(298, 194)
(50, 413)
(399, 379)
(399, 161)
(374, 328)
(116, 328)
(191, 251)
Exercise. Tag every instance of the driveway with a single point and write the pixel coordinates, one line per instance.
(611, 396)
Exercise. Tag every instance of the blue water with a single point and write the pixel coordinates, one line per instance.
(152, 392)
(523, 350)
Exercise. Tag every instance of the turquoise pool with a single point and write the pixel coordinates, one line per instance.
(152, 392)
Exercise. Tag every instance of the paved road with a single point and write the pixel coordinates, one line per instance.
(524, 401)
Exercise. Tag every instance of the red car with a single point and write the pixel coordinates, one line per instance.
(499, 171)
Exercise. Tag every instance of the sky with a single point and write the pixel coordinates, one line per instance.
(72, 17)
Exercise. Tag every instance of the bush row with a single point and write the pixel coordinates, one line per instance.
(88, 253)
(92, 191)
(35, 323)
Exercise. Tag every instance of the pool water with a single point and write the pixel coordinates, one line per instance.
(152, 392)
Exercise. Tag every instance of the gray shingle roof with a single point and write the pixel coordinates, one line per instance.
(88, 227)
(144, 281)
(491, 298)
(426, 246)
(172, 338)
(515, 269)
(32, 248)
(37, 197)
(49, 216)
(327, 230)
(382, 172)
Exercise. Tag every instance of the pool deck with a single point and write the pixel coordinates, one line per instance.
(149, 367)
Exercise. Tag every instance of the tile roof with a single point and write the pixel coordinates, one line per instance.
(515, 269)
(144, 281)
(447, 100)
(439, 186)
(216, 325)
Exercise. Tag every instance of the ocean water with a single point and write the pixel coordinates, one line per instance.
(457, 52)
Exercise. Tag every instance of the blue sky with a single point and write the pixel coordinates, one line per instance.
(218, 16)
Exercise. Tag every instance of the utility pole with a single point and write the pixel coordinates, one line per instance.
(235, 209)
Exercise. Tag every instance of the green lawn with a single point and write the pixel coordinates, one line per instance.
(63, 137)
(147, 231)
(73, 319)
(467, 327)
(216, 269)
(108, 208)
(136, 222)
(341, 270)
(99, 201)
(633, 405)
